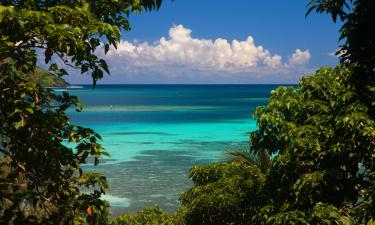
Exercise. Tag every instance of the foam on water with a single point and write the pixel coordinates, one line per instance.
(116, 201)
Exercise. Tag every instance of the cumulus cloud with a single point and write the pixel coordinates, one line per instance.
(299, 57)
(181, 53)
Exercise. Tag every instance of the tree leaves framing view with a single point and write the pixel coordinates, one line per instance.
(321, 134)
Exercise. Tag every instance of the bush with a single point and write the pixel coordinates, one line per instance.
(148, 216)
(223, 193)
(324, 138)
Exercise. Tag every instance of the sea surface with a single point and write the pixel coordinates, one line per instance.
(155, 133)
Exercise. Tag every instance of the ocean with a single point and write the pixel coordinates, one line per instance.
(155, 133)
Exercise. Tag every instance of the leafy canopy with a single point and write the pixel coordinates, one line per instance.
(41, 178)
(358, 48)
(325, 139)
(322, 134)
(69, 30)
(223, 193)
(41, 153)
(323, 172)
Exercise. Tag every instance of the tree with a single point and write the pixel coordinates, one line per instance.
(243, 153)
(325, 141)
(69, 30)
(223, 193)
(148, 216)
(46, 79)
(322, 134)
(41, 180)
(323, 171)
(41, 177)
(358, 19)
(358, 49)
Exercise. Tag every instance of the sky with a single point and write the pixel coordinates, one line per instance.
(216, 42)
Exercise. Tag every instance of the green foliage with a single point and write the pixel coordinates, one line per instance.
(325, 140)
(46, 79)
(69, 30)
(370, 222)
(147, 216)
(358, 49)
(323, 170)
(224, 193)
(41, 180)
(295, 217)
(358, 18)
(323, 134)
(329, 215)
(243, 153)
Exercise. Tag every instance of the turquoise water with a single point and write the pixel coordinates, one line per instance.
(155, 133)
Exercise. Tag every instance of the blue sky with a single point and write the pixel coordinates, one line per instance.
(207, 41)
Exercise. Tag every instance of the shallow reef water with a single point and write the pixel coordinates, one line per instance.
(155, 133)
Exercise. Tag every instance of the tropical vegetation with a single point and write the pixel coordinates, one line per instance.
(41, 180)
(46, 79)
(321, 134)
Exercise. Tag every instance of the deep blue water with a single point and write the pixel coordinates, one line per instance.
(155, 133)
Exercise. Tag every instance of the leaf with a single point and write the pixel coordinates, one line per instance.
(30, 110)
(103, 65)
(20, 124)
(106, 48)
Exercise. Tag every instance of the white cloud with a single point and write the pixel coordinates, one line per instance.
(180, 53)
(299, 57)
